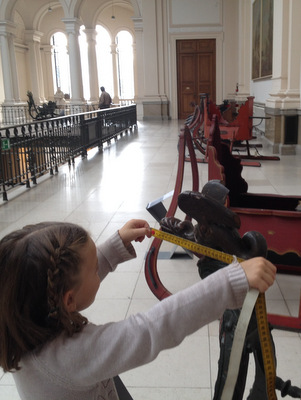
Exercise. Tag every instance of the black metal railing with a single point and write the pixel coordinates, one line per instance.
(19, 113)
(33, 149)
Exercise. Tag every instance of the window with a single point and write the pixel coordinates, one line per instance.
(125, 65)
(60, 63)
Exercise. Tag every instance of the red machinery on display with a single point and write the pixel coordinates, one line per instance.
(274, 216)
(235, 124)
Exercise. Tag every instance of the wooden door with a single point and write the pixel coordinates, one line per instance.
(196, 73)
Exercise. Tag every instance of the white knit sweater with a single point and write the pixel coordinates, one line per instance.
(82, 367)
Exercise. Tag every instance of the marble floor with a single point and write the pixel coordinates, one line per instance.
(108, 188)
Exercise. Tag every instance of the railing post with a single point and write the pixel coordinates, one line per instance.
(84, 135)
(99, 127)
(2, 177)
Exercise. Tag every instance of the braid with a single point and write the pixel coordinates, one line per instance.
(63, 258)
(53, 276)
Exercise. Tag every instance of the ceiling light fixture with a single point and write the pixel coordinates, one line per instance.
(113, 9)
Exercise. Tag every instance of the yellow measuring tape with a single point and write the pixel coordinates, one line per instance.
(260, 305)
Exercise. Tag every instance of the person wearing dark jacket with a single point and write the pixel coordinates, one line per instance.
(105, 99)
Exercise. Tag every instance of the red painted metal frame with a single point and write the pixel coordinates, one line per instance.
(286, 322)
(151, 272)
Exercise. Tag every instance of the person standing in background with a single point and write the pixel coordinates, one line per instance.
(105, 99)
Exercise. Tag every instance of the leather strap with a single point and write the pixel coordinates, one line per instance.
(238, 344)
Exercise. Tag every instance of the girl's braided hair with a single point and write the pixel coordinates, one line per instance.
(38, 265)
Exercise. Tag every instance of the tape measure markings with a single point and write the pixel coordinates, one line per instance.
(266, 346)
(194, 247)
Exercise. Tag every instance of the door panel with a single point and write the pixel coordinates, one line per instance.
(195, 72)
(187, 85)
(206, 79)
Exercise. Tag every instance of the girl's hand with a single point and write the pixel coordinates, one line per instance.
(260, 273)
(135, 229)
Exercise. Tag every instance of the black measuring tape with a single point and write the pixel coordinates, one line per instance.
(260, 306)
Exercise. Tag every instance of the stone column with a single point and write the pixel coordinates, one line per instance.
(135, 70)
(8, 70)
(33, 39)
(13, 110)
(163, 73)
(280, 55)
(292, 99)
(72, 29)
(13, 62)
(48, 72)
(139, 65)
(150, 55)
(115, 73)
(154, 49)
(284, 101)
(93, 75)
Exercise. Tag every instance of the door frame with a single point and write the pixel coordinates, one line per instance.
(218, 36)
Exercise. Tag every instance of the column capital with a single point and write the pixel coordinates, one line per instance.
(33, 35)
(7, 27)
(113, 48)
(72, 25)
(138, 24)
(91, 34)
(47, 48)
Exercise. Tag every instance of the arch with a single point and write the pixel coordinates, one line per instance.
(71, 8)
(20, 27)
(44, 13)
(45, 24)
(126, 29)
(7, 8)
(136, 8)
(50, 33)
(117, 4)
(107, 29)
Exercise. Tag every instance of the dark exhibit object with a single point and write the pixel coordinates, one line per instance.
(217, 227)
(45, 111)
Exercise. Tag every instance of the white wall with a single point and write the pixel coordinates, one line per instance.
(261, 90)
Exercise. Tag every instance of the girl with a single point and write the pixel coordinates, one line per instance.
(51, 271)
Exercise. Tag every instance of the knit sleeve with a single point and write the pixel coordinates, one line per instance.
(113, 348)
(111, 253)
